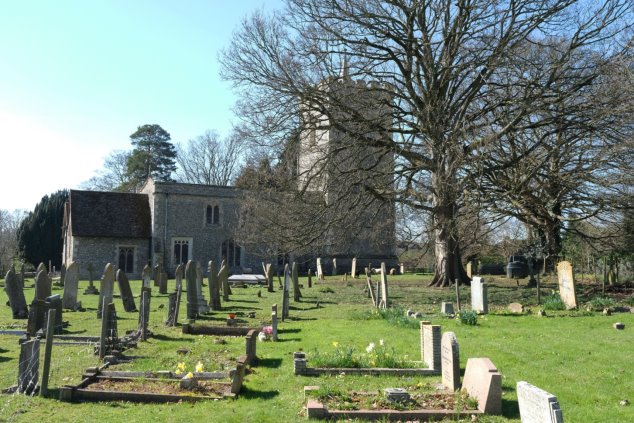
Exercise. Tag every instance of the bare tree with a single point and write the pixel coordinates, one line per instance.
(114, 175)
(209, 160)
(9, 223)
(447, 71)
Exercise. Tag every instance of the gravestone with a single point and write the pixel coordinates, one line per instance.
(54, 302)
(125, 291)
(214, 287)
(106, 287)
(42, 285)
(29, 365)
(353, 271)
(62, 274)
(178, 276)
(285, 294)
(320, 270)
(469, 269)
(41, 268)
(192, 299)
(37, 317)
(310, 278)
(71, 285)
(109, 338)
(537, 405)
(383, 303)
(223, 279)
(516, 308)
(274, 325)
(202, 302)
(251, 344)
(171, 310)
(446, 308)
(163, 283)
(296, 293)
(144, 313)
(479, 298)
(483, 382)
(157, 274)
(334, 267)
(15, 292)
(430, 345)
(90, 289)
(566, 284)
(450, 358)
(146, 276)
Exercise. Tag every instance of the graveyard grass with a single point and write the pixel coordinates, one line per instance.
(576, 355)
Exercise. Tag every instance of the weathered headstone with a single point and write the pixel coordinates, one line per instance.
(483, 382)
(41, 268)
(285, 294)
(537, 405)
(320, 270)
(158, 269)
(178, 276)
(310, 278)
(469, 269)
(125, 291)
(90, 289)
(171, 310)
(214, 287)
(71, 285)
(334, 267)
(163, 283)
(144, 312)
(274, 326)
(109, 338)
(192, 298)
(37, 317)
(106, 287)
(450, 357)
(251, 344)
(296, 292)
(62, 274)
(223, 279)
(479, 297)
(202, 302)
(15, 292)
(146, 276)
(566, 284)
(42, 285)
(430, 345)
(446, 308)
(353, 271)
(268, 273)
(383, 303)
(54, 302)
(29, 365)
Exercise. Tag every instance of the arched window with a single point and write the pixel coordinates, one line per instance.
(231, 253)
(126, 259)
(209, 215)
(216, 214)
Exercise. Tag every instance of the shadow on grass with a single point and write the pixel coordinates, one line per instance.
(74, 332)
(271, 363)
(244, 301)
(294, 330)
(171, 338)
(288, 339)
(251, 394)
(301, 319)
(230, 308)
(510, 409)
(3, 359)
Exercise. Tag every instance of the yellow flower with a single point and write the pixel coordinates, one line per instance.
(178, 372)
(181, 367)
(189, 375)
(199, 367)
(335, 344)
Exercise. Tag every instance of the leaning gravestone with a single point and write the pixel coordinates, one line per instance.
(71, 285)
(479, 298)
(37, 317)
(192, 299)
(106, 287)
(178, 276)
(202, 303)
(42, 285)
(450, 358)
(15, 293)
(214, 287)
(483, 382)
(29, 365)
(566, 284)
(223, 278)
(147, 276)
(41, 268)
(537, 405)
(268, 272)
(353, 271)
(125, 291)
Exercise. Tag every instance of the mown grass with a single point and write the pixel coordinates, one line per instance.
(575, 355)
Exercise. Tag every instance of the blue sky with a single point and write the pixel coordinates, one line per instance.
(78, 77)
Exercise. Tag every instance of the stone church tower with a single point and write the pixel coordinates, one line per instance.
(345, 154)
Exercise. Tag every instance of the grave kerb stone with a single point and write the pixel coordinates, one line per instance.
(483, 381)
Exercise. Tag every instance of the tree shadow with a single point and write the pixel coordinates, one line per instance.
(244, 301)
(271, 363)
(245, 392)
(3, 359)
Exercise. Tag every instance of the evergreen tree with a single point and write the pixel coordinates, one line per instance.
(153, 155)
(40, 233)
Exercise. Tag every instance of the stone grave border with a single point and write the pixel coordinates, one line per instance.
(79, 392)
(300, 368)
(317, 410)
(196, 329)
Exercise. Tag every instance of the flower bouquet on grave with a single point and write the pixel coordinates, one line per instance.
(266, 333)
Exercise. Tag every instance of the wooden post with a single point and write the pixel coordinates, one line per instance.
(457, 295)
(50, 330)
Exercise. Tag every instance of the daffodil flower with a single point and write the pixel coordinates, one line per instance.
(189, 375)
(335, 344)
(199, 367)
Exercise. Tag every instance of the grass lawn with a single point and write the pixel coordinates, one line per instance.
(577, 356)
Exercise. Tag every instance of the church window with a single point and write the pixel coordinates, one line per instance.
(216, 215)
(209, 215)
(231, 253)
(212, 215)
(182, 250)
(126, 259)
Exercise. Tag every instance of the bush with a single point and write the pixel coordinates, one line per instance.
(599, 303)
(468, 317)
(393, 315)
(553, 302)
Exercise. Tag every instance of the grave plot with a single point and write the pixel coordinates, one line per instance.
(99, 384)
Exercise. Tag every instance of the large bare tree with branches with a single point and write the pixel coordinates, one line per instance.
(449, 74)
